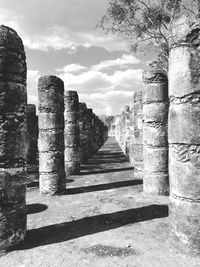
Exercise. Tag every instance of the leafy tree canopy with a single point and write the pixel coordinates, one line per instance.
(147, 22)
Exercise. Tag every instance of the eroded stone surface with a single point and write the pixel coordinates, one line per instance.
(184, 141)
(155, 138)
(72, 133)
(13, 149)
(51, 135)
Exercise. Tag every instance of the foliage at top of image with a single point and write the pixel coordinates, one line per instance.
(147, 22)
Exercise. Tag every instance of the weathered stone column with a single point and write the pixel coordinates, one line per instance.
(127, 131)
(51, 135)
(155, 140)
(72, 133)
(13, 175)
(184, 143)
(89, 131)
(136, 139)
(32, 134)
(122, 132)
(83, 133)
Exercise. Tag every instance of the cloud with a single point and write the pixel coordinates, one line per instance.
(71, 68)
(124, 60)
(32, 86)
(50, 25)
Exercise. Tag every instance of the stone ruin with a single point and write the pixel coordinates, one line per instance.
(155, 139)
(51, 135)
(160, 130)
(13, 150)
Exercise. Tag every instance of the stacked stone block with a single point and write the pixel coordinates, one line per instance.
(184, 142)
(32, 134)
(83, 133)
(136, 135)
(13, 102)
(89, 131)
(127, 131)
(72, 133)
(155, 139)
(51, 135)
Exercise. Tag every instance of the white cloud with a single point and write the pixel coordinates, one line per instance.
(32, 86)
(124, 60)
(71, 68)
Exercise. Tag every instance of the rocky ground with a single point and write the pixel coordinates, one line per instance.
(103, 219)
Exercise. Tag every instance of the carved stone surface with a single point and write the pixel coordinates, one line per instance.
(136, 134)
(155, 115)
(51, 135)
(72, 133)
(184, 146)
(83, 133)
(13, 175)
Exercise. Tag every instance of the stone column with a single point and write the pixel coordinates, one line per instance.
(184, 143)
(122, 132)
(89, 131)
(136, 145)
(32, 134)
(72, 133)
(13, 173)
(155, 139)
(131, 131)
(83, 133)
(51, 135)
(127, 131)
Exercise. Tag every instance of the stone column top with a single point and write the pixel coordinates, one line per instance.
(137, 96)
(9, 38)
(82, 106)
(154, 76)
(49, 82)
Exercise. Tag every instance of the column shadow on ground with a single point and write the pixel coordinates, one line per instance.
(66, 231)
(100, 187)
(103, 170)
(35, 208)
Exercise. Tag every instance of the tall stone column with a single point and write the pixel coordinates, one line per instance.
(155, 139)
(72, 133)
(32, 134)
(131, 132)
(127, 131)
(184, 143)
(136, 144)
(89, 131)
(13, 175)
(51, 135)
(83, 133)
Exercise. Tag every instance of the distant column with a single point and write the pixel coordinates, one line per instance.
(72, 133)
(32, 132)
(83, 133)
(89, 131)
(137, 142)
(13, 174)
(51, 135)
(155, 139)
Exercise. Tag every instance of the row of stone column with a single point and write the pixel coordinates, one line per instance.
(170, 125)
(61, 143)
(69, 133)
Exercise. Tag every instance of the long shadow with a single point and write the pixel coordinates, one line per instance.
(62, 232)
(35, 208)
(35, 184)
(100, 187)
(106, 171)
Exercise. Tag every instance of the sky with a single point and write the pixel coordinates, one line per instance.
(60, 39)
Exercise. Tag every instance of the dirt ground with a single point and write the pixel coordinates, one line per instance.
(103, 219)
